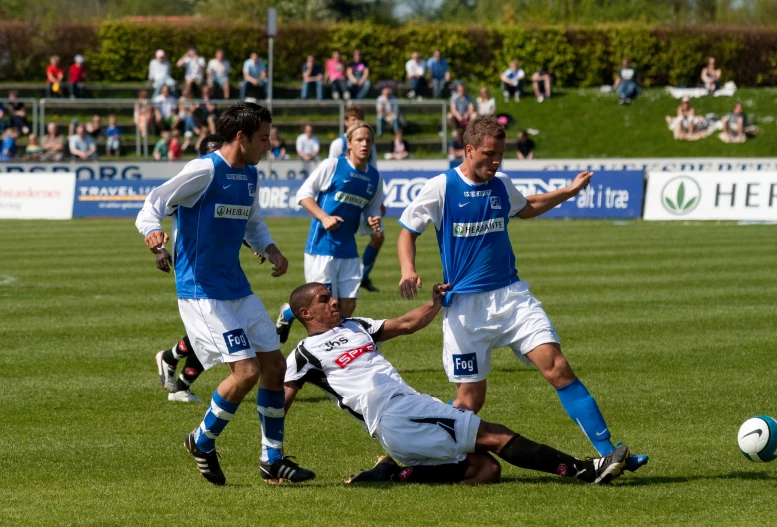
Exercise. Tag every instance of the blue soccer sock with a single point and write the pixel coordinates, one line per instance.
(288, 316)
(269, 404)
(218, 415)
(368, 261)
(583, 410)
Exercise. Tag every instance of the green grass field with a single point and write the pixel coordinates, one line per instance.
(672, 326)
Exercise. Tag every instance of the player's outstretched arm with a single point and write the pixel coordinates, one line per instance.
(290, 389)
(410, 282)
(541, 203)
(417, 318)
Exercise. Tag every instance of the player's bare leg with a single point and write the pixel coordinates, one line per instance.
(347, 306)
(470, 395)
(482, 469)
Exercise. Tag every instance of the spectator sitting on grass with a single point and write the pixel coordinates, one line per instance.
(18, 113)
(194, 67)
(142, 114)
(159, 72)
(33, 151)
(358, 74)
(710, 76)
(53, 144)
(82, 147)
(686, 115)
(734, 125)
(415, 69)
(165, 107)
(112, 137)
(439, 74)
(524, 147)
(254, 78)
(399, 148)
(308, 145)
(8, 146)
(54, 76)
(486, 103)
(76, 75)
(312, 78)
(626, 82)
(387, 110)
(462, 110)
(512, 81)
(218, 71)
(456, 145)
(162, 147)
(541, 84)
(334, 74)
(278, 146)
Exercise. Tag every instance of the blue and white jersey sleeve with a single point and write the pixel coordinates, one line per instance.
(373, 207)
(426, 208)
(257, 232)
(183, 190)
(337, 148)
(517, 200)
(318, 181)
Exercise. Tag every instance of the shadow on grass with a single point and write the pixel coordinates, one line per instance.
(639, 481)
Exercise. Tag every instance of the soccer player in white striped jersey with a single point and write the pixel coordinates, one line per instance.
(489, 306)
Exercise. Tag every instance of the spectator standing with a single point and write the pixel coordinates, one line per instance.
(415, 68)
(334, 74)
(82, 147)
(524, 147)
(18, 113)
(312, 78)
(76, 75)
(142, 112)
(308, 145)
(33, 151)
(399, 148)
(112, 137)
(218, 71)
(206, 112)
(461, 108)
(54, 76)
(734, 124)
(456, 145)
(512, 81)
(53, 144)
(165, 107)
(278, 146)
(486, 105)
(159, 72)
(194, 68)
(162, 147)
(626, 82)
(8, 146)
(710, 76)
(358, 74)
(541, 83)
(387, 110)
(254, 78)
(439, 74)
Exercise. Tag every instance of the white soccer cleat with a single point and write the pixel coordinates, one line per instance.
(183, 396)
(166, 373)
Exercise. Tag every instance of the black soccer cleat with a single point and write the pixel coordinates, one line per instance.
(207, 463)
(610, 466)
(284, 469)
(369, 286)
(383, 470)
(282, 327)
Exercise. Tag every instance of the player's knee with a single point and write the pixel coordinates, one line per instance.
(492, 472)
(472, 400)
(560, 372)
(247, 374)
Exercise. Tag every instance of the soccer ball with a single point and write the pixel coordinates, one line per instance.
(757, 439)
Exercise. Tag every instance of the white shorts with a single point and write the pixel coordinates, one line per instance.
(477, 323)
(227, 330)
(421, 430)
(342, 276)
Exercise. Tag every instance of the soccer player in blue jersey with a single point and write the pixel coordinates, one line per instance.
(216, 196)
(337, 194)
(489, 306)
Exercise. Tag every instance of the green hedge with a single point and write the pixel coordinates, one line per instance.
(578, 56)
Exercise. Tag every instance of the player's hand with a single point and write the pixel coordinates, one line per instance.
(155, 239)
(439, 290)
(409, 286)
(163, 260)
(279, 262)
(331, 223)
(374, 223)
(580, 182)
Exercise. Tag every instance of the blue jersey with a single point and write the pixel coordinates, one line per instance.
(341, 190)
(471, 222)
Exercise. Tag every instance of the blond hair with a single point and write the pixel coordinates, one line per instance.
(355, 126)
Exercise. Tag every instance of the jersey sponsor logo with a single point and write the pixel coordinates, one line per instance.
(480, 228)
(465, 364)
(351, 199)
(332, 344)
(238, 177)
(236, 340)
(251, 189)
(232, 212)
(476, 193)
(351, 355)
(359, 176)
(495, 202)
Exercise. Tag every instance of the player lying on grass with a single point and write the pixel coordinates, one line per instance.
(438, 442)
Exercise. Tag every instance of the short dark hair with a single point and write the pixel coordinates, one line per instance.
(302, 297)
(243, 117)
(210, 143)
(354, 111)
(481, 127)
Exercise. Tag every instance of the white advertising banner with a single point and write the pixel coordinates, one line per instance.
(711, 196)
(37, 196)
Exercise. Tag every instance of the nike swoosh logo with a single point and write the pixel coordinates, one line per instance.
(601, 433)
(346, 180)
(463, 204)
(759, 432)
(227, 186)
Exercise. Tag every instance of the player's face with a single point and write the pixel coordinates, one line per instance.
(350, 120)
(360, 144)
(486, 158)
(324, 309)
(254, 148)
